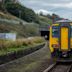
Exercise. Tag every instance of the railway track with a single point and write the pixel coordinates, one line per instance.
(59, 67)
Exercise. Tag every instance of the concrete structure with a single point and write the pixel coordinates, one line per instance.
(44, 31)
(8, 36)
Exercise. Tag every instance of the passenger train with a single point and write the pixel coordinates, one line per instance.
(61, 40)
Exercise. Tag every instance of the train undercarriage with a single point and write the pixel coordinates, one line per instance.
(62, 56)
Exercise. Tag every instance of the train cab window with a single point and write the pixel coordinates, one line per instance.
(55, 31)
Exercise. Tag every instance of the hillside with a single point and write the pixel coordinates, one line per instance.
(22, 12)
(45, 20)
(25, 13)
(20, 20)
(23, 29)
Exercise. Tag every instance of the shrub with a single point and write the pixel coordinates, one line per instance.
(38, 40)
(5, 44)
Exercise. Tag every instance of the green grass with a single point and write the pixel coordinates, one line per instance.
(10, 50)
(7, 16)
(20, 30)
(45, 20)
(20, 48)
(8, 46)
(31, 63)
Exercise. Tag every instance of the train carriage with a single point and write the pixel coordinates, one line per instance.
(61, 40)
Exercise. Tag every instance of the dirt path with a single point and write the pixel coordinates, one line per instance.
(35, 62)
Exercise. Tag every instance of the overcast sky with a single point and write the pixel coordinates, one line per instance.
(60, 7)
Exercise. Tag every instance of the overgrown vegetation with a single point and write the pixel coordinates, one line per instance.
(19, 44)
(51, 18)
(7, 16)
(29, 22)
(21, 30)
(45, 20)
(21, 11)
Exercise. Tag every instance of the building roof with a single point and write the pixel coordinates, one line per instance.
(61, 21)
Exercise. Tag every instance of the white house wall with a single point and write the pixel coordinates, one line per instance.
(9, 36)
(2, 35)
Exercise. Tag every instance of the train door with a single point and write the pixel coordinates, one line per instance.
(64, 38)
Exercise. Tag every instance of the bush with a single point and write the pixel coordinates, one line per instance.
(6, 44)
(38, 40)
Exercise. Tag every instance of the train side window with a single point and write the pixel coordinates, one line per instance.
(55, 31)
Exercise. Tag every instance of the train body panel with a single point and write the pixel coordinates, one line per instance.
(64, 38)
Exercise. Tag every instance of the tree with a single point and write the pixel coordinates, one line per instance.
(41, 13)
(26, 13)
(49, 16)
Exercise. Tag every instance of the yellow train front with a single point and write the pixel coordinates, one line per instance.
(61, 40)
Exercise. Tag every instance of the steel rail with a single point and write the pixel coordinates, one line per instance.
(67, 68)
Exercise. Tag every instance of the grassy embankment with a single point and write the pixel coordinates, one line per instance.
(22, 30)
(20, 44)
(34, 62)
(44, 21)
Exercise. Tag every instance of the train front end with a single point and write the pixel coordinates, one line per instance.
(61, 41)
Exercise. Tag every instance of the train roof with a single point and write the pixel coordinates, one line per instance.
(62, 21)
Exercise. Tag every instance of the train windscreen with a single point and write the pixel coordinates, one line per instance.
(55, 31)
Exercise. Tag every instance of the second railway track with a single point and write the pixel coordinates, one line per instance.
(59, 67)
